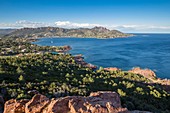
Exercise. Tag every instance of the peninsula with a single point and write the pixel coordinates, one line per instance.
(96, 32)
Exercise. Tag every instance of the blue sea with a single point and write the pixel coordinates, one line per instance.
(142, 50)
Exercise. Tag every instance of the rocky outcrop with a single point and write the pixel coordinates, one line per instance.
(36, 104)
(79, 59)
(98, 102)
(15, 106)
(64, 49)
(149, 74)
(112, 69)
(145, 72)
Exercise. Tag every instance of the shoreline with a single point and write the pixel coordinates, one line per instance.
(96, 65)
(130, 35)
(80, 77)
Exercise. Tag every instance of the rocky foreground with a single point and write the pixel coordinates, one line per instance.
(97, 102)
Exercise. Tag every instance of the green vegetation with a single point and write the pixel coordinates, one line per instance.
(22, 46)
(59, 75)
(99, 32)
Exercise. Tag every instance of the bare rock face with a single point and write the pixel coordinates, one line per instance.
(14, 106)
(36, 104)
(112, 69)
(145, 72)
(58, 106)
(108, 102)
(98, 102)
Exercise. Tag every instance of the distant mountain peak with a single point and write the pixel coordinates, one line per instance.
(100, 28)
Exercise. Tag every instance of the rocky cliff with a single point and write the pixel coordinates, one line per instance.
(149, 74)
(145, 72)
(96, 32)
(97, 102)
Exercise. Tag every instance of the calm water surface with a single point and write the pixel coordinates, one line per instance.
(143, 50)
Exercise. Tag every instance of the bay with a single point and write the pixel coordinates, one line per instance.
(142, 50)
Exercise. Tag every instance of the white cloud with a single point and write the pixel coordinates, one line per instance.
(65, 24)
(142, 28)
(69, 24)
(62, 23)
(24, 23)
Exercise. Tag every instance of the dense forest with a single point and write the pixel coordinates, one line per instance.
(58, 75)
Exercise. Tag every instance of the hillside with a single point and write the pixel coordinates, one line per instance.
(5, 31)
(97, 32)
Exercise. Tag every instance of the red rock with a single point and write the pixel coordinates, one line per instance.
(58, 106)
(106, 102)
(97, 102)
(111, 97)
(145, 72)
(14, 106)
(112, 69)
(10, 106)
(36, 104)
(152, 76)
(90, 66)
(66, 48)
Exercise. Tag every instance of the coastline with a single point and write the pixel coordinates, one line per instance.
(153, 77)
(131, 35)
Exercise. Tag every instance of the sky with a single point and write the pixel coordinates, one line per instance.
(142, 16)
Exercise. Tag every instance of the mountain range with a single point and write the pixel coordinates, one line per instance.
(96, 32)
(5, 31)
